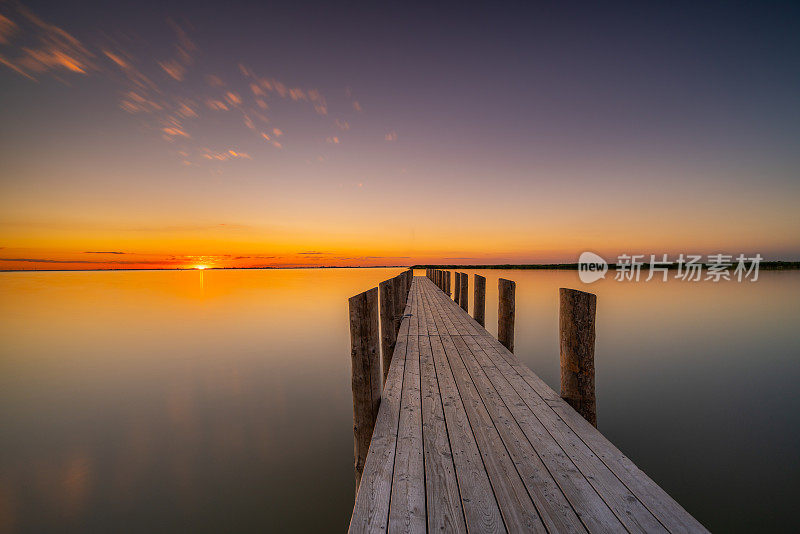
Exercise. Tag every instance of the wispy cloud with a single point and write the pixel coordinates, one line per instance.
(224, 156)
(176, 67)
(93, 262)
(38, 47)
(391, 136)
(178, 112)
(104, 252)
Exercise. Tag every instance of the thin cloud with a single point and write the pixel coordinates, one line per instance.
(225, 156)
(93, 262)
(134, 102)
(104, 252)
(40, 47)
(32, 47)
(176, 67)
(216, 105)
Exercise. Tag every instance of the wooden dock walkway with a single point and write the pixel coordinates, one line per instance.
(469, 439)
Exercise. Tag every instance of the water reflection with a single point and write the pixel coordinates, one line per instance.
(220, 400)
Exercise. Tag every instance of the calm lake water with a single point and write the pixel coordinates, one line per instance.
(220, 400)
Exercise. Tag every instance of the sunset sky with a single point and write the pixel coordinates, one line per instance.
(177, 134)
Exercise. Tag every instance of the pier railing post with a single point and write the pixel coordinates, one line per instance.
(399, 283)
(479, 303)
(576, 328)
(457, 290)
(366, 373)
(464, 292)
(388, 309)
(447, 282)
(506, 312)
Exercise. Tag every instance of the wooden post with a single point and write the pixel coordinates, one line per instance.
(399, 302)
(457, 290)
(447, 282)
(506, 312)
(464, 292)
(366, 371)
(479, 304)
(576, 320)
(388, 307)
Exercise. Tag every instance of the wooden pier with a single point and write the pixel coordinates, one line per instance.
(467, 438)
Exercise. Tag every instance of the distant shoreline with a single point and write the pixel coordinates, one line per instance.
(764, 266)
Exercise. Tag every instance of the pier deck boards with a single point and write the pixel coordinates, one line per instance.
(469, 439)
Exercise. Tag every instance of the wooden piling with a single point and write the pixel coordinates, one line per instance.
(479, 302)
(447, 282)
(366, 373)
(464, 292)
(388, 310)
(506, 312)
(457, 290)
(576, 328)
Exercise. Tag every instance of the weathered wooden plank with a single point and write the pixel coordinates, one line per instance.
(413, 324)
(442, 326)
(371, 510)
(421, 315)
(481, 510)
(555, 510)
(594, 513)
(407, 511)
(445, 513)
(429, 322)
(519, 512)
(625, 505)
